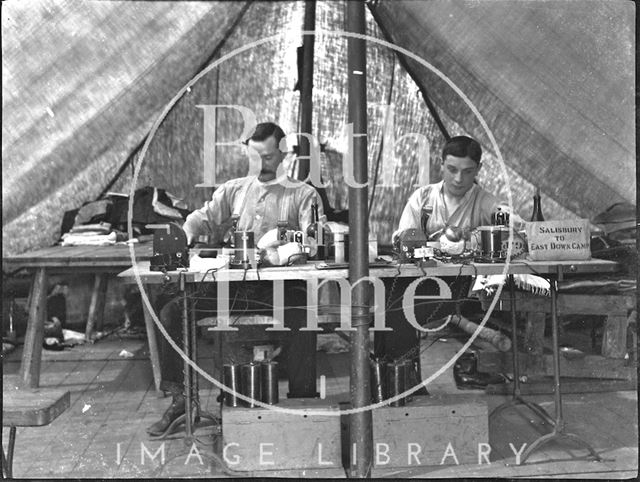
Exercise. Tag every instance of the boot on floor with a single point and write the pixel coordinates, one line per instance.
(175, 410)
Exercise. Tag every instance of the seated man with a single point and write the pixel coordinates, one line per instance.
(258, 203)
(455, 201)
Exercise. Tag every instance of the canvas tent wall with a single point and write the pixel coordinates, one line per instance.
(84, 81)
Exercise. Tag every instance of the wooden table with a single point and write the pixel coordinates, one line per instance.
(101, 261)
(311, 273)
(552, 270)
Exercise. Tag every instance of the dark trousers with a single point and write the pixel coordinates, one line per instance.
(246, 298)
(403, 342)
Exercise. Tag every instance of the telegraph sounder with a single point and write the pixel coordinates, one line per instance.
(170, 250)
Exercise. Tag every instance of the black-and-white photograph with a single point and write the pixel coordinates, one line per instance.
(300, 239)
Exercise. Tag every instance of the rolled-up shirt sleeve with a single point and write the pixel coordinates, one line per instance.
(410, 217)
(213, 213)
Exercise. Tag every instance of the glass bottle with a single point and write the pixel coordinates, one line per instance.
(536, 215)
(312, 232)
(232, 230)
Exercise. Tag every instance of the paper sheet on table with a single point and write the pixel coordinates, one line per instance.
(202, 265)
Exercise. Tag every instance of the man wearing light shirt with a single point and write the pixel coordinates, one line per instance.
(259, 203)
(455, 201)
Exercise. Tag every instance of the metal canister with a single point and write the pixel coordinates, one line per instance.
(397, 373)
(378, 380)
(231, 379)
(250, 383)
(244, 254)
(491, 238)
(269, 382)
(339, 248)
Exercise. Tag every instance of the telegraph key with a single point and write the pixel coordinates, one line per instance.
(170, 250)
(411, 244)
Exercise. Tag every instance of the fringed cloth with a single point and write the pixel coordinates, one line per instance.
(527, 282)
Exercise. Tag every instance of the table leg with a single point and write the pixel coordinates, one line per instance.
(198, 412)
(152, 340)
(559, 424)
(517, 398)
(96, 307)
(186, 346)
(32, 353)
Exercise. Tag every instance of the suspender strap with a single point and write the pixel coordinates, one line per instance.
(429, 198)
(284, 206)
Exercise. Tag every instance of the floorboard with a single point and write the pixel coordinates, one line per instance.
(102, 434)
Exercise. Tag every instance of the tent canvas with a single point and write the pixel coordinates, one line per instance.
(83, 83)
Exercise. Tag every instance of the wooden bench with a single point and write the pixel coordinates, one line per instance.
(618, 308)
(619, 327)
(24, 407)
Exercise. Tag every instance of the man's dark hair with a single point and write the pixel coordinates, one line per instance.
(265, 130)
(462, 146)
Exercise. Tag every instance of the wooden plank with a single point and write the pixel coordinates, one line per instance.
(96, 306)
(32, 351)
(311, 271)
(426, 426)
(579, 304)
(78, 256)
(296, 441)
(22, 407)
(590, 366)
(614, 341)
(538, 387)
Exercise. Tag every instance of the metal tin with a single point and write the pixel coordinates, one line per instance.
(491, 238)
(231, 379)
(339, 247)
(250, 383)
(397, 374)
(378, 380)
(244, 253)
(269, 382)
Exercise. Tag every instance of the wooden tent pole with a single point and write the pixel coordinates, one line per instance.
(361, 434)
(306, 88)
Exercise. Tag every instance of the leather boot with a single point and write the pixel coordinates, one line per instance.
(467, 376)
(176, 409)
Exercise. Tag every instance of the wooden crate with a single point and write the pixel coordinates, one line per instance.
(429, 430)
(284, 440)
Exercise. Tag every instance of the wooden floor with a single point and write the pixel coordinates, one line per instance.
(103, 435)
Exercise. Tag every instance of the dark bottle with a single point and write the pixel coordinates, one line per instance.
(312, 229)
(537, 208)
(233, 229)
(315, 234)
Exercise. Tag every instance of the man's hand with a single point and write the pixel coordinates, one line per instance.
(191, 239)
